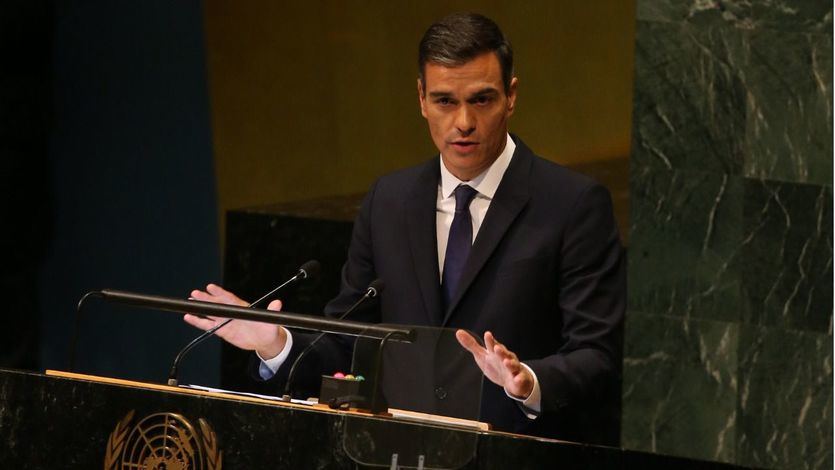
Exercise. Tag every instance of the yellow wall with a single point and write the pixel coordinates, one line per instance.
(318, 98)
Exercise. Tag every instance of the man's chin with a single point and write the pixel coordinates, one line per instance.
(464, 167)
(465, 161)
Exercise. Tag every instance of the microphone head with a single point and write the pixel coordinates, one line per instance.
(310, 269)
(375, 288)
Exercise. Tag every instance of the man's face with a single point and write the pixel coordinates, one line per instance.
(467, 110)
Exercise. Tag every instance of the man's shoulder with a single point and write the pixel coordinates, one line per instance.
(551, 177)
(551, 170)
(402, 180)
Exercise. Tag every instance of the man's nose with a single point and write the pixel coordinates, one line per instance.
(465, 121)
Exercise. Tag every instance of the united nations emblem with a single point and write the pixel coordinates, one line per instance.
(162, 441)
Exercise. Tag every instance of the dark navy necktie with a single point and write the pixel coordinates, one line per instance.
(459, 243)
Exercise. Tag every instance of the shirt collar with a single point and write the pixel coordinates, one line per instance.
(487, 182)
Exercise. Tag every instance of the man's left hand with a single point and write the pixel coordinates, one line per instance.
(498, 364)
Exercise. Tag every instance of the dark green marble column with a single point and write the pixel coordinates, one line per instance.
(728, 350)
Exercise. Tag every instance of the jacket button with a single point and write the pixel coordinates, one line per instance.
(440, 393)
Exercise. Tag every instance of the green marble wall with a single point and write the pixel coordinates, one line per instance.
(729, 332)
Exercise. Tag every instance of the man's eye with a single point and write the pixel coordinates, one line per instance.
(482, 99)
(444, 101)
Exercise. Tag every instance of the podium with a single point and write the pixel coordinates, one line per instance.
(74, 421)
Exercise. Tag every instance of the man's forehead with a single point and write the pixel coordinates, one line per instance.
(481, 73)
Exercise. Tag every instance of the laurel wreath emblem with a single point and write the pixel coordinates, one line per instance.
(116, 442)
(214, 456)
(162, 440)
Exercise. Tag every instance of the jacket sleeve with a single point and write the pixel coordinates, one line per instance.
(592, 302)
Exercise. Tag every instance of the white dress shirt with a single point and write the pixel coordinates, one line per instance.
(486, 185)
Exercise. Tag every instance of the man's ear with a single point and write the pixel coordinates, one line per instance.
(511, 95)
(421, 97)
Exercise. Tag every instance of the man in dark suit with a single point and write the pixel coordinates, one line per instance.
(489, 238)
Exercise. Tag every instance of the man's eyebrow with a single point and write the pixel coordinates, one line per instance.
(486, 91)
(447, 94)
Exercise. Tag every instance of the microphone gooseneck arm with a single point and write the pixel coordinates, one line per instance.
(373, 290)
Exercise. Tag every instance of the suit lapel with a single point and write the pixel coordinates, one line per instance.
(420, 208)
(511, 197)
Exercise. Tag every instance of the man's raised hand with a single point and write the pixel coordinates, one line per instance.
(266, 339)
(498, 364)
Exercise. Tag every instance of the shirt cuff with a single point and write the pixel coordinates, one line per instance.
(532, 405)
(268, 367)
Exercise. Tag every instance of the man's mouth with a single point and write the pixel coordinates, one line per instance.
(464, 146)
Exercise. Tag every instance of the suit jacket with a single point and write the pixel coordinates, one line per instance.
(545, 275)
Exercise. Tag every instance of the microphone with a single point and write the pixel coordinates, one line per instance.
(373, 290)
(308, 270)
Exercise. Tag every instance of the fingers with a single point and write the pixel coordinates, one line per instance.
(200, 295)
(202, 323)
(512, 365)
(469, 343)
(516, 379)
(498, 363)
(204, 296)
(215, 293)
(275, 305)
(218, 291)
(505, 353)
(489, 341)
(495, 347)
(491, 347)
(503, 356)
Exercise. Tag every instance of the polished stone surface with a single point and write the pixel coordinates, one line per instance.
(712, 97)
(785, 399)
(791, 15)
(728, 340)
(785, 260)
(788, 83)
(680, 386)
(714, 302)
(689, 104)
(685, 240)
(62, 423)
(730, 248)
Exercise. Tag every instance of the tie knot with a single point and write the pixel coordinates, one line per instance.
(464, 194)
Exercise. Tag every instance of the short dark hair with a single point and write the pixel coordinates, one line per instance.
(459, 38)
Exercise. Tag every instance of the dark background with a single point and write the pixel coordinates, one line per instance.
(108, 181)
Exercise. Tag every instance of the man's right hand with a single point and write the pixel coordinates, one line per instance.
(266, 339)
